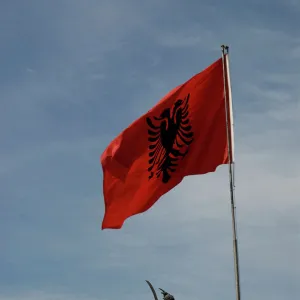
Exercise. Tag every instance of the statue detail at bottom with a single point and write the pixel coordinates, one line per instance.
(166, 295)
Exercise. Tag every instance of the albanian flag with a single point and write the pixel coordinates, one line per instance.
(184, 134)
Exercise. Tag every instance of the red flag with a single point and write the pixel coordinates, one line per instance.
(184, 134)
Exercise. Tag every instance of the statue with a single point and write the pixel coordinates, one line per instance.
(166, 296)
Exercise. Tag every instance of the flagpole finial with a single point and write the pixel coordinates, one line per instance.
(225, 49)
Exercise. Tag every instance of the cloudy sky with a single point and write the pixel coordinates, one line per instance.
(73, 74)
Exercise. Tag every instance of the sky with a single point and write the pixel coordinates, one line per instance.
(73, 75)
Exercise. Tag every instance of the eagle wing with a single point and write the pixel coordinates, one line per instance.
(185, 135)
(156, 149)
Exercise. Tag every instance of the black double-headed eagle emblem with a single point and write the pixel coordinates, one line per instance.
(169, 137)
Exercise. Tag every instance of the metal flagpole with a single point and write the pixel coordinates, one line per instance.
(230, 142)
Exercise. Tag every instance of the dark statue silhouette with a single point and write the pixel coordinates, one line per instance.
(170, 134)
(166, 296)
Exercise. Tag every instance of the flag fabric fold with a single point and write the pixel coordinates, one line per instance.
(184, 134)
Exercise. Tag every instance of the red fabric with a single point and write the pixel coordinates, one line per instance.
(197, 124)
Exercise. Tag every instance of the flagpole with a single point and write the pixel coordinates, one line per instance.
(230, 142)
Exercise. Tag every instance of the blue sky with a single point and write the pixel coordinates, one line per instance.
(73, 75)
